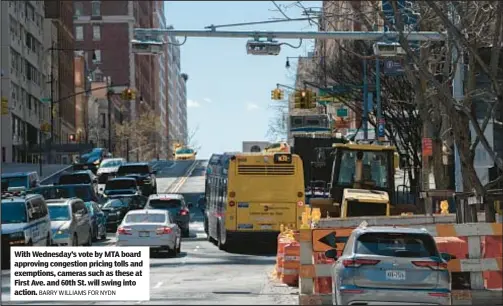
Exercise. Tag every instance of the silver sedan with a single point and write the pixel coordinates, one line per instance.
(150, 227)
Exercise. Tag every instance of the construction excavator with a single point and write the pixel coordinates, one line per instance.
(362, 182)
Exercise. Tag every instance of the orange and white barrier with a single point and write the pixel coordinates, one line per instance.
(314, 271)
(291, 264)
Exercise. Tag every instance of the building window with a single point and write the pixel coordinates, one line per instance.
(96, 8)
(97, 57)
(79, 33)
(96, 32)
(78, 8)
(103, 120)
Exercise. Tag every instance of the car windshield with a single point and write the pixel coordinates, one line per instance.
(117, 203)
(110, 163)
(184, 151)
(59, 212)
(145, 218)
(62, 192)
(16, 181)
(13, 212)
(120, 184)
(374, 169)
(165, 204)
(396, 245)
(123, 170)
(69, 179)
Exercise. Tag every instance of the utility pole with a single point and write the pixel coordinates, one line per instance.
(51, 140)
(365, 102)
(109, 115)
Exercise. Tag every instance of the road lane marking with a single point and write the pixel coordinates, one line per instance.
(158, 285)
(183, 179)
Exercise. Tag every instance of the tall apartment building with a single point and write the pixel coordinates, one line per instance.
(104, 30)
(23, 79)
(177, 95)
(162, 85)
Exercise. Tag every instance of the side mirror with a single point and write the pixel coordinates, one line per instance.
(447, 256)
(154, 171)
(332, 253)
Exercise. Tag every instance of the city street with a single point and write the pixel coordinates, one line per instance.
(201, 274)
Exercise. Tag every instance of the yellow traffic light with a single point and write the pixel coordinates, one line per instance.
(5, 106)
(277, 94)
(300, 99)
(128, 94)
(311, 99)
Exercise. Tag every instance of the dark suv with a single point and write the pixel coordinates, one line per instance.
(144, 175)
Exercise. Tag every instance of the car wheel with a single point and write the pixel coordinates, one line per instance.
(95, 233)
(179, 247)
(206, 226)
(75, 240)
(104, 235)
(90, 239)
(48, 241)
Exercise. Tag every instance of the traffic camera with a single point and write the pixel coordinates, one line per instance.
(147, 47)
(277, 94)
(128, 94)
(388, 49)
(256, 47)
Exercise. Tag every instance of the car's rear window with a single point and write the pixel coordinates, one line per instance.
(396, 245)
(165, 204)
(74, 179)
(133, 170)
(146, 218)
(120, 184)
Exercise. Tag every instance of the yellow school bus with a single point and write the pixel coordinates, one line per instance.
(250, 195)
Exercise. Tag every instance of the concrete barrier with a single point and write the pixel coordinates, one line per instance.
(47, 169)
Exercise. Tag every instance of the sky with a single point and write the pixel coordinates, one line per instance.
(228, 91)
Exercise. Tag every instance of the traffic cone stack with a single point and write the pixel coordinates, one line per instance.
(291, 264)
(322, 285)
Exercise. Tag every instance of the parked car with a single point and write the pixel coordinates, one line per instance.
(108, 168)
(19, 181)
(144, 175)
(121, 185)
(118, 206)
(150, 227)
(98, 220)
(79, 177)
(91, 160)
(70, 222)
(175, 204)
(390, 265)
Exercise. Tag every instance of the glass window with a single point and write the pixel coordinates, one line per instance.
(146, 218)
(122, 202)
(96, 8)
(78, 8)
(97, 56)
(96, 32)
(59, 212)
(13, 212)
(140, 169)
(165, 204)
(120, 184)
(74, 179)
(111, 163)
(396, 245)
(375, 168)
(79, 33)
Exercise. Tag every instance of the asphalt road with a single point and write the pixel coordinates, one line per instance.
(201, 274)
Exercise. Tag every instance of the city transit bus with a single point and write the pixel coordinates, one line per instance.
(250, 195)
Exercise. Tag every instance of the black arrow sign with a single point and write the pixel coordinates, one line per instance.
(331, 239)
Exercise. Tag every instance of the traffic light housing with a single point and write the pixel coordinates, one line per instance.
(5, 106)
(277, 94)
(71, 137)
(305, 99)
(128, 94)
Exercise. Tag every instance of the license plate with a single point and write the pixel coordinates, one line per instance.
(395, 275)
(144, 234)
(84, 167)
(266, 227)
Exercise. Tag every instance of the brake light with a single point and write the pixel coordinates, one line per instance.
(355, 263)
(439, 294)
(232, 203)
(164, 230)
(434, 265)
(124, 231)
(300, 194)
(183, 212)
